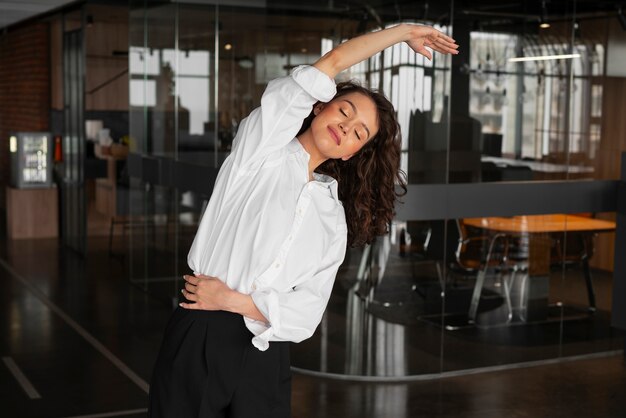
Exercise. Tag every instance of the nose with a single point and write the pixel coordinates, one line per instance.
(343, 128)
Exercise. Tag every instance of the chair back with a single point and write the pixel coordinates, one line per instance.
(472, 250)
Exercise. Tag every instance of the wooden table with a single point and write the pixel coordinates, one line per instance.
(541, 223)
(539, 229)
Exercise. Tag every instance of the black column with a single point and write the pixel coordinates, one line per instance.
(460, 80)
(618, 307)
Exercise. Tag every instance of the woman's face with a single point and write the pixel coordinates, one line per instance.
(344, 125)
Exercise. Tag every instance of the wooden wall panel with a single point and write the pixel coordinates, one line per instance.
(106, 81)
(607, 162)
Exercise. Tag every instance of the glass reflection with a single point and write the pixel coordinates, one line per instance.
(582, 284)
(433, 295)
(374, 347)
(383, 319)
(536, 116)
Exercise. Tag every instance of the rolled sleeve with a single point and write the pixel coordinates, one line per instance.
(314, 82)
(294, 315)
(286, 102)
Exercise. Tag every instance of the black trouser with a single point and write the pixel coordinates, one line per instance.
(208, 367)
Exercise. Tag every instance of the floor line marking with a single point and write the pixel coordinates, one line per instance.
(113, 414)
(143, 385)
(21, 378)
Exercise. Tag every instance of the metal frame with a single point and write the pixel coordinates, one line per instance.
(73, 197)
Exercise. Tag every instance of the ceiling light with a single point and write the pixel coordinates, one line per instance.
(545, 58)
(228, 47)
(245, 62)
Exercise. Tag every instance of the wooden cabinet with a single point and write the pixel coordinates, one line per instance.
(32, 213)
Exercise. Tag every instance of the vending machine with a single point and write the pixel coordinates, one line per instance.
(31, 160)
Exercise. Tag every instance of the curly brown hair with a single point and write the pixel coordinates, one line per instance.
(368, 180)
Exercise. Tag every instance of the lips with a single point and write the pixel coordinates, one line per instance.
(335, 135)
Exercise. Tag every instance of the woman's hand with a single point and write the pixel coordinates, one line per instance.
(206, 292)
(211, 294)
(427, 36)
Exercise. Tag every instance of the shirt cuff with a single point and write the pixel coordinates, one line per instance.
(266, 301)
(315, 82)
(262, 333)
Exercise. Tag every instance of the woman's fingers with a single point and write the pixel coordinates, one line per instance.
(203, 276)
(434, 39)
(442, 37)
(432, 33)
(449, 47)
(424, 52)
(443, 50)
(204, 292)
(191, 279)
(189, 296)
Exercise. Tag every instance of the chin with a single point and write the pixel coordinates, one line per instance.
(327, 147)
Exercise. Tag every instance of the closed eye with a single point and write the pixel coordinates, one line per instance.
(357, 135)
(343, 112)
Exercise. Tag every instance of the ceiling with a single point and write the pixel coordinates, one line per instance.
(501, 12)
(14, 11)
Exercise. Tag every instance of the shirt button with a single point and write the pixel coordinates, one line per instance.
(276, 265)
(253, 286)
(289, 238)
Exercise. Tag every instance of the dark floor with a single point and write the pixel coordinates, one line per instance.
(86, 339)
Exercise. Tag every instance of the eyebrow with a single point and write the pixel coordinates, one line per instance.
(354, 109)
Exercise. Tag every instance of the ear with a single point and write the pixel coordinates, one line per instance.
(318, 108)
(347, 157)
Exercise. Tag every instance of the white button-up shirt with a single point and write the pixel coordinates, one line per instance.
(268, 231)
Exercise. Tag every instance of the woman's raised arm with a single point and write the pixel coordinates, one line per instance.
(362, 47)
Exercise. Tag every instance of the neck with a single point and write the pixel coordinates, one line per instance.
(315, 156)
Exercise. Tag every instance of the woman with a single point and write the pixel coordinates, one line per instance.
(312, 170)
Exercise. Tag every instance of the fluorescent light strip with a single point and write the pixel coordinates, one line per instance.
(545, 58)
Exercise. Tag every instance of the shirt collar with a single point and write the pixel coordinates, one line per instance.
(329, 182)
(321, 179)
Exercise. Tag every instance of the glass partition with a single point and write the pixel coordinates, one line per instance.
(583, 285)
(433, 295)
(172, 100)
(153, 121)
(535, 94)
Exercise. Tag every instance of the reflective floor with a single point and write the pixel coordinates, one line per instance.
(400, 326)
(77, 339)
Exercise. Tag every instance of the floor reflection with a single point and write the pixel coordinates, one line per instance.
(374, 347)
(388, 313)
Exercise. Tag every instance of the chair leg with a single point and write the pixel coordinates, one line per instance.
(590, 291)
(480, 280)
(478, 287)
(523, 303)
(508, 282)
(442, 283)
